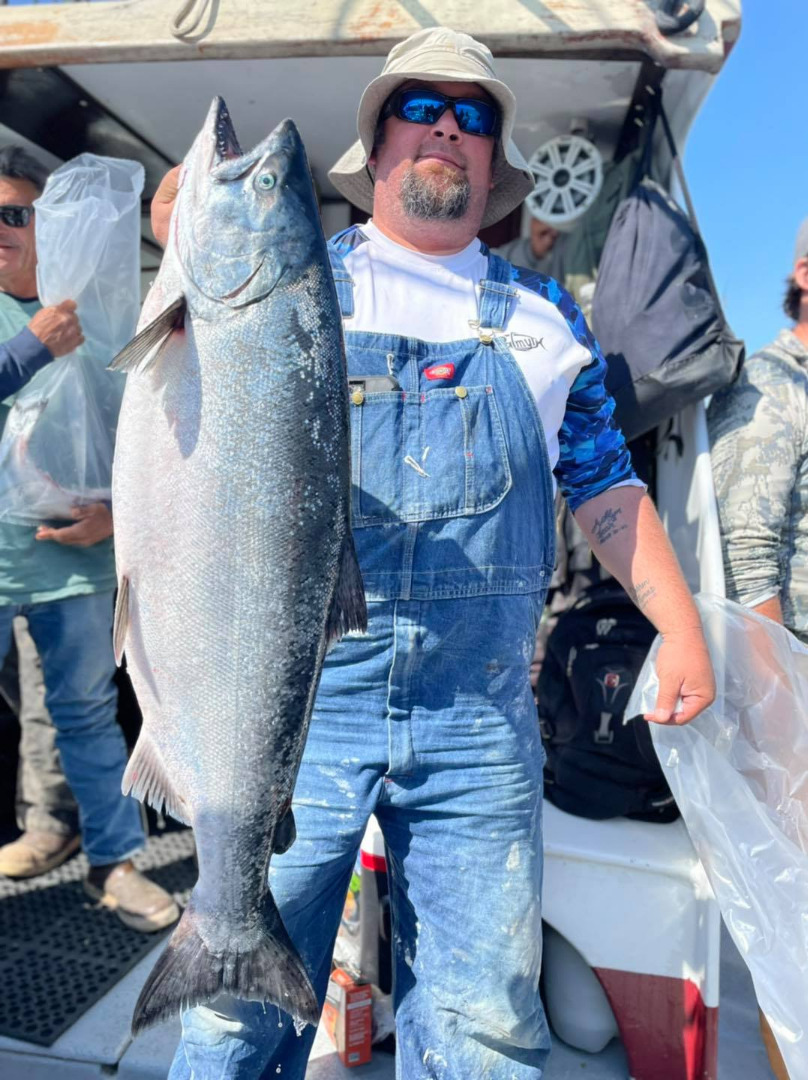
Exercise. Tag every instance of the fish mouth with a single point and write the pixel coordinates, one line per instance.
(228, 161)
(226, 145)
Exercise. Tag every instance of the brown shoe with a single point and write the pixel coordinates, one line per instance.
(35, 853)
(136, 901)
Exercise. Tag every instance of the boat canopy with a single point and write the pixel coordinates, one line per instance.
(115, 77)
(113, 31)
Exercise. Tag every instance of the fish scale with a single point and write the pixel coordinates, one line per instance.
(236, 564)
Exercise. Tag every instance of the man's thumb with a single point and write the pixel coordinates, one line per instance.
(667, 697)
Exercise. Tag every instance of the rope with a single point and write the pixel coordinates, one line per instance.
(674, 16)
(190, 17)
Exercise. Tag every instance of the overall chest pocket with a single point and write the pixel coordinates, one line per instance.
(420, 457)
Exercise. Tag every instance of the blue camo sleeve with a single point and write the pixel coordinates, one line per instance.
(593, 455)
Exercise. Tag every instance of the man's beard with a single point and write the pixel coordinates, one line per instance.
(436, 196)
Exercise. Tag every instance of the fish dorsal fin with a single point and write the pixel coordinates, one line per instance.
(348, 608)
(146, 779)
(121, 623)
(147, 347)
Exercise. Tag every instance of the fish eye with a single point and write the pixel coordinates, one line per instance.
(265, 181)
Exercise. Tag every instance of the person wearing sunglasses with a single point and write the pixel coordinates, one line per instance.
(61, 578)
(477, 386)
(51, 332)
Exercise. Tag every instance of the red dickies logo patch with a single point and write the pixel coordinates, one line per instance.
(440, 371)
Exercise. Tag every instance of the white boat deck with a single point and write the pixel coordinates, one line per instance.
(99, 1045)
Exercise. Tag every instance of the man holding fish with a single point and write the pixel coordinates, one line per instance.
(475, 386)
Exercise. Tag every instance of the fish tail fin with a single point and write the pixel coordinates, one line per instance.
(189, 974)
(348, 608)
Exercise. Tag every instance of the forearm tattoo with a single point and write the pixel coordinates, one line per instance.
(608, 525)
(644, 592)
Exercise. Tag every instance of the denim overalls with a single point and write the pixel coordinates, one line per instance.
(428, 719)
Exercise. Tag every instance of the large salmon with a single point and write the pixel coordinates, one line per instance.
(236, 564)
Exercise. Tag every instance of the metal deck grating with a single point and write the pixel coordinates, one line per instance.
(60, 953)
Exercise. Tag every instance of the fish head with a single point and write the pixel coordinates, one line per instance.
(246, 222)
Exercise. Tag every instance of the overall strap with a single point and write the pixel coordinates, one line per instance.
(343, 282)
(498, 298)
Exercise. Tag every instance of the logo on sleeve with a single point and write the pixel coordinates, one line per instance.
(440, 371)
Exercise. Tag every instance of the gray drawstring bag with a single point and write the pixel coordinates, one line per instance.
(656, 312)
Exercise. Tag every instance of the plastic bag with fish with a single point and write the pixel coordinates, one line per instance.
(236, 563)
(58, 440)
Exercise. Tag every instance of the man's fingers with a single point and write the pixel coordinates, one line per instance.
(168, 186)
(162, 204)
(67, 535)
(67, 305)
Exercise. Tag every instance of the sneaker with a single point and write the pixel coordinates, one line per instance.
(36, 853)
(137, 902)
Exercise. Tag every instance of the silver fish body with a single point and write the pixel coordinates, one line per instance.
(236, 564)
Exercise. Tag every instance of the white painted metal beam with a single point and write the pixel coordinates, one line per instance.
(127, 30)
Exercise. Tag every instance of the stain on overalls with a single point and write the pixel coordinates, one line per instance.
(428, 719)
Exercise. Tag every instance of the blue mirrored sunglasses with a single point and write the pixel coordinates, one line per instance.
(421, 106)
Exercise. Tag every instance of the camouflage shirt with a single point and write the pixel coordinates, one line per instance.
(759, 438)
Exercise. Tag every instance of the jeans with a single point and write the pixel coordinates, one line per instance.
(428, 722)
(74, 641)
(45, 802)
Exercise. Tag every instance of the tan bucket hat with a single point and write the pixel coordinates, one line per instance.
(436, 55)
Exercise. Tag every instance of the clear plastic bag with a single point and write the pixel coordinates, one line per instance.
(57, 445)
(739, 773)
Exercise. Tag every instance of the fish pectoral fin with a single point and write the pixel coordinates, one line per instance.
(285, 833)
(348, 608)
(147, 779)
(121, 623)
(152, 339)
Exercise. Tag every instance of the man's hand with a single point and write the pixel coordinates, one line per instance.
(685, 672)
(58, 328)
(163, 203)
(93, 524)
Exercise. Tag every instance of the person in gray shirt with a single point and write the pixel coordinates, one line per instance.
(759, 438)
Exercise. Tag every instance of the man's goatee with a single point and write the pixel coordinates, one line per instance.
(435, 197)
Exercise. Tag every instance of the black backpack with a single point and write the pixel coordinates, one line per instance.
(656, 312)
(597, 766)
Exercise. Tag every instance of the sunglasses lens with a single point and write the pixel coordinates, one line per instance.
(420, 107)
(16, 217)
(425, 107)
(475, 117)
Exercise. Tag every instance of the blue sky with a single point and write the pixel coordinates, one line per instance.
(746, 161)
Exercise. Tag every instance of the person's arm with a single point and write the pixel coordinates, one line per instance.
(51, 333)
(771, 608)
(21, 357)
(619, 520)
(757, 440)
(629, 540)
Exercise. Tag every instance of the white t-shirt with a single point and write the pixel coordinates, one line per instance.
(436, 298)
